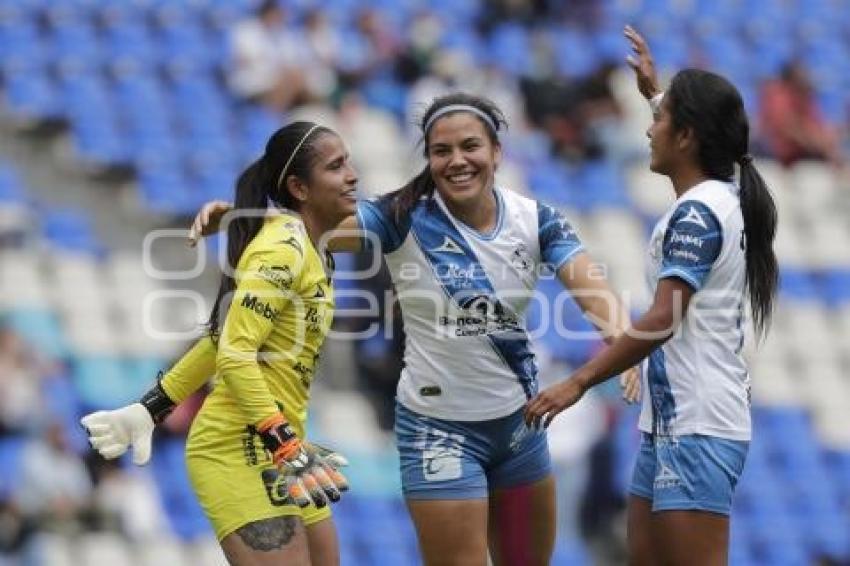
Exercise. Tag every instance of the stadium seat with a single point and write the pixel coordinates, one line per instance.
(104, 548)
(184, 513)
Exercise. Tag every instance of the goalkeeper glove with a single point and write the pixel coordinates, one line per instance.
(322, 471)
(111, 433)
(326, 469)
(310, 472)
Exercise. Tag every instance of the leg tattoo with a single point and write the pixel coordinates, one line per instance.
(268, 534)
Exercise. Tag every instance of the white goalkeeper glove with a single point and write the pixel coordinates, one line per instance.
(112, 433)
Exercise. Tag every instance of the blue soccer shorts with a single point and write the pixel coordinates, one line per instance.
(688, 472)
(443, 459)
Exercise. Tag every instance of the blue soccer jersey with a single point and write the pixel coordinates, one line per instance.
(697, 382)
(462, 295)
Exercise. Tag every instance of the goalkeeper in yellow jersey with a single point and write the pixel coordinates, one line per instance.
(264, 489)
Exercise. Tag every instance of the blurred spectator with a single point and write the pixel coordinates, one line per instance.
(128, 501)
(55, 488)
(571, 437)
(370, 51)
(599, 117)
(324, 46)
(20, 377)
(524, 12)
(268, 60)
(791, 125)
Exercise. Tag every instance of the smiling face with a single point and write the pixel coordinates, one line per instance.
(462, 158)
(329, 191)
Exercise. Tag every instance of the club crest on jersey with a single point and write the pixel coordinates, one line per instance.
(448, 246)
(521, 259)
(693, 217)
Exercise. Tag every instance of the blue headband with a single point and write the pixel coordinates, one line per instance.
(459, 108)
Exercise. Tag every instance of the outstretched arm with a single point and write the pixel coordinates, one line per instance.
(112, 433)
(650, 331)
(213, 217)
(603, 308)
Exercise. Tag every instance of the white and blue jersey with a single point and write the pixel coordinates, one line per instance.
(462, 295)
(697, 382)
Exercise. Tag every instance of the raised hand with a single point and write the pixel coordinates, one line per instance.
(642, 64)
(208, 220)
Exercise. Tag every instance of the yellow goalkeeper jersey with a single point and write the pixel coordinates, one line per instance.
(263, 363)
(272, 334)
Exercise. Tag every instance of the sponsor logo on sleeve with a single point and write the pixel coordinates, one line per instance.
(693, 217)
(686, 239)
(261, 308)
(278, 275)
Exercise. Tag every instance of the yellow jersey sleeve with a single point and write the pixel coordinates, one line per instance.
(191, 371)
(264, 287)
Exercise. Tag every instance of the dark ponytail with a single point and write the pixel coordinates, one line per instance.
(264, 181)
(404, 199)
(760, 219)
(712, 107)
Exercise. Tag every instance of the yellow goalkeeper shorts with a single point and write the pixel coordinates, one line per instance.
(235, 481)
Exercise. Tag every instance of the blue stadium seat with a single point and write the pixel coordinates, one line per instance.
(834, 287)
(467, 42)
(30, 96)
(599, 184)
(40, 327)
(574, 53)
(22, 49)
(70, 229)
(181, 506)
(166, 189)
(386, 94)
(797, 284)
(838, 466)
(76, 49)
(216, 181)
(11, 188)
(570, 552)
(568, 335)
(185, 50)
(101, 383)
(510, 49)
(132, 48)
(11, 450)
(551, 181)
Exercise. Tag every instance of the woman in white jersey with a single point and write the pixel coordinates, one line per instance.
(712, 249)
(464, 257)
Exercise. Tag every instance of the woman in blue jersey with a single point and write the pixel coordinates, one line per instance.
(465, 256)
(712, 249)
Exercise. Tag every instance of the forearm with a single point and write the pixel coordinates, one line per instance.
(191, 371)
(627, 350)
(607, 314)
(346, 237)
(240, 372)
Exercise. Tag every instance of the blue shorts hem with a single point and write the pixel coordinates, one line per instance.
(640, 493)
(686, 505)
(515, 481)
(452, 494)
